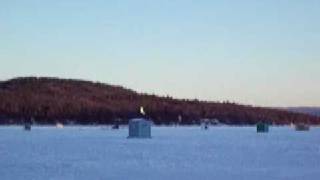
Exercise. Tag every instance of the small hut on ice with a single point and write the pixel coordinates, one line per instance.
(262, 127)
(139, 128)
(27, 123)
(302, 127)
(27, 127)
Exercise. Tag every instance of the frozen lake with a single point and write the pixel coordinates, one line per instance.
(173, 153)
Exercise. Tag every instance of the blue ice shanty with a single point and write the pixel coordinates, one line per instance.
(262, 127)
(139, 128)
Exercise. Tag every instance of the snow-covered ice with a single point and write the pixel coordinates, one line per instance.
(172, 153)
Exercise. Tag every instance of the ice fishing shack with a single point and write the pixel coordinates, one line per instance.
(302, 127)
(262, 127)
(139, 128)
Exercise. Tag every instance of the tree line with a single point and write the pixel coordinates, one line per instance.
(52, 100)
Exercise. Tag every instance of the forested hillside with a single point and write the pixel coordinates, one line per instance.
(51, 100)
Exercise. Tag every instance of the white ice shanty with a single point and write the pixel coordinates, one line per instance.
(139, 128)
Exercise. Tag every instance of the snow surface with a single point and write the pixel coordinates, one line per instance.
(172, 153)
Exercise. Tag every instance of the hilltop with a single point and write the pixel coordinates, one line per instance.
(49, 100)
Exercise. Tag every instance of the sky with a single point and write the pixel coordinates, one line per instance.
(257, 52)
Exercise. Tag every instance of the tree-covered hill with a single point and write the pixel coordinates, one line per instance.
(51, 100)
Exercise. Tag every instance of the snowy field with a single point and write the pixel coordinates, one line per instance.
(232, 153)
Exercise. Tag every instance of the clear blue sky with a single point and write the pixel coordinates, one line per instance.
(260, 52)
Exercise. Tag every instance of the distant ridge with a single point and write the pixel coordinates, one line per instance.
(315, 111)
(51, 100)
